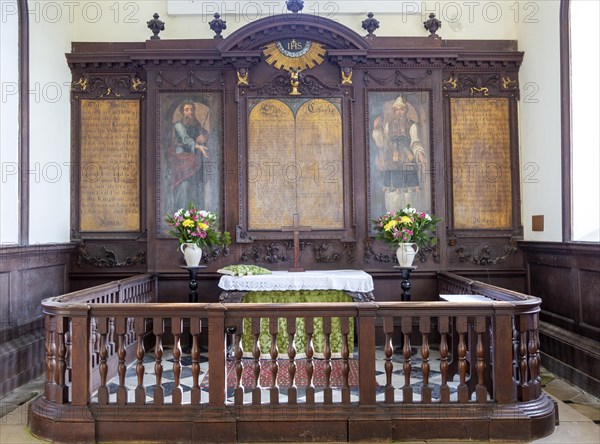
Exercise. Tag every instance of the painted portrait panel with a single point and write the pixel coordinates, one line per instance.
(191, 152)
(399, 151)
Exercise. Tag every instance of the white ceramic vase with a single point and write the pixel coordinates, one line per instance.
(192, 254)
(406, 254)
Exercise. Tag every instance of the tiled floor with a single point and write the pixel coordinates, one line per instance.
(579, 412)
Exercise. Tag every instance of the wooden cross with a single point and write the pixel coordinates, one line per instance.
(296, 228)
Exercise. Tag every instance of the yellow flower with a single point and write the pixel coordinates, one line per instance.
(202, 226)
(188, 223)
(391, 224)
(405, 220)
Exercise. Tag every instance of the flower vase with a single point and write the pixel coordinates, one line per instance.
(192, 254)
(406, 253)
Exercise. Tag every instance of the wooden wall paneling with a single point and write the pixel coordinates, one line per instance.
(566, 277)
(27, 275)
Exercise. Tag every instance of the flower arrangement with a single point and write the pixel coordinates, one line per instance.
(407, 225)
(196, 227)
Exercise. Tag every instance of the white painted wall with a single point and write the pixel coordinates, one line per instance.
(539, 126)
(9, 124)
(50, 34)
(534, 24)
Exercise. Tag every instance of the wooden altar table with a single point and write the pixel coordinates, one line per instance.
(309, 287)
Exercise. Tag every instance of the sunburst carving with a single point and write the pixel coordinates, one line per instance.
(309, 55)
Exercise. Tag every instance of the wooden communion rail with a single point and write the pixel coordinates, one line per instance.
(488, 370)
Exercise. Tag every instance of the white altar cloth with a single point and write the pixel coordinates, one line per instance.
(346, 280)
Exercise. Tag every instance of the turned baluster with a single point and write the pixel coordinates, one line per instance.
(461, 328)
(327, 390)
(238, 352)
(158, 328)
(95, 342)
(345, 329)
(111, 336)
(425, 327)
(50, 385)
(62, 390)
(273, 366)
(388, 328)
(256, 399)
(524, 385)
(120, 324)
(140, 391)
(176, 329)
(444, 323)
(195, 329)
(407, 390)
(534, 361)
(310, 388)
(480, 389)
(103, 394)
(292, 389)
(68, 355)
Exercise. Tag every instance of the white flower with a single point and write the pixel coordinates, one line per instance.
(427, 217)
(178, 212)
(411, 210)
(187, 214)
(203, 213)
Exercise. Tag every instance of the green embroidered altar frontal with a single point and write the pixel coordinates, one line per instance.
(294, 296)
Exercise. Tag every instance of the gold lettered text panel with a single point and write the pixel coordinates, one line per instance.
(110, 167)
(295, 163)
(481, 167)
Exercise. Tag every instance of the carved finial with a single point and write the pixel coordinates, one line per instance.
(432, 25)
(155, 25)
(370, 24)
(217, 25)
(294, 5)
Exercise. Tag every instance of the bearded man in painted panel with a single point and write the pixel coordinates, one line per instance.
(400, 156)
(186, 156)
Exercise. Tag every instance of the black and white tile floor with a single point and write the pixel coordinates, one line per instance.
(579, 411)
(186, 382)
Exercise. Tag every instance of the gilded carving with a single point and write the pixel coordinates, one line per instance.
(508, 83)
(346, 76)
(483, 90)
(80, 85)
(243, 77)
(451, 82)
(294, 53)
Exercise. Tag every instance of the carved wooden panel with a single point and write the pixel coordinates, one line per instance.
(109, 165)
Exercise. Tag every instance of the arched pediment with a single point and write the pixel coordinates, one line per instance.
(318, 29)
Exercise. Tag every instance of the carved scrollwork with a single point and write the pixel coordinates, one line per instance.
(308, 85)
(450, 83)
(138, 84)
(509, 84)
(109, 86)
(402, 78)
(321, 255)
(108, 258)
(486, 256)
(270, 253)
(484, 85)
(80, 85)
(190, 79)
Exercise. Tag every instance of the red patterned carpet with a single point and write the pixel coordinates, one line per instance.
(283, 376)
